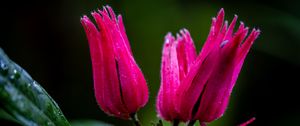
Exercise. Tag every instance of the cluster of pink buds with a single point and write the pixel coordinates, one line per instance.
(193, 86)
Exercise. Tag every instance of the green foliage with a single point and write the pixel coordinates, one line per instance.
(89, 123)
(24, 100)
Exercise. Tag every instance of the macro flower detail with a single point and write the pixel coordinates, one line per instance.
(119, 85)
(198, 87)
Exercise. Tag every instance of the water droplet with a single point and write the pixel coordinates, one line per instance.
(3, 67)
(28, 85)
(49, 123)
(21, 105)
(37, 87)
(224, 43)
(15, 75)
(16, 97)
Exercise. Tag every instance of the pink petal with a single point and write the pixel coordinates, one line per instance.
(186, 52)
(190, 89)
(230, 29)
(217, 87)
(169, 80)
(123, 32)
(96, 55)
(129, 74)
(214, 31)
(248, 122)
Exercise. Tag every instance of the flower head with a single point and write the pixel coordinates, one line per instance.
(120, 87)
(199, 87)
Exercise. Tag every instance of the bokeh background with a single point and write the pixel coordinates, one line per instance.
(46, 39)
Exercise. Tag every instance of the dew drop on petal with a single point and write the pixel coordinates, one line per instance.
(224, 43)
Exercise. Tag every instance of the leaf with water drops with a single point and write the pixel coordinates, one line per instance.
(24, 99)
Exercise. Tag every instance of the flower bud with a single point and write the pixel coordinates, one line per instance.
(119, 85)
(204, 93)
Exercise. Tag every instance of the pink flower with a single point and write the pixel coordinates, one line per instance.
(120, 87)
(199, 87)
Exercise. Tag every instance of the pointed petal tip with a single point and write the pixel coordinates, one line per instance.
(94, 12)
(221, 11)
(257, 33)
(182, 31)
(119, 16)
(247, 28)
(169, 34)
(98, 10)
(186, 31)
(258, 30)
(225, 27)
(104, 7)
(97, 15)
(109, 9)
(83, 17)
(214, 19)
(111, 12)
(226, 22)
(185, 34)
(242, 23)
(103, 10)
(83, 21)
(221, 15)
(169, 38)
(236, 16)
(107, 6)
(178, 36)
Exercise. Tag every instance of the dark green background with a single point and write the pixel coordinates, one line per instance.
(46, 39)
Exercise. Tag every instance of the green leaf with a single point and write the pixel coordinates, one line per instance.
(7, 116)
(89, 123)
(24, 99)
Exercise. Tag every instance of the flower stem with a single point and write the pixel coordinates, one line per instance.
(175, 122)
(135, 119)
(191, 123)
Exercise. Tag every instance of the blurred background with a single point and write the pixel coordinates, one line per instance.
(47, 39)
